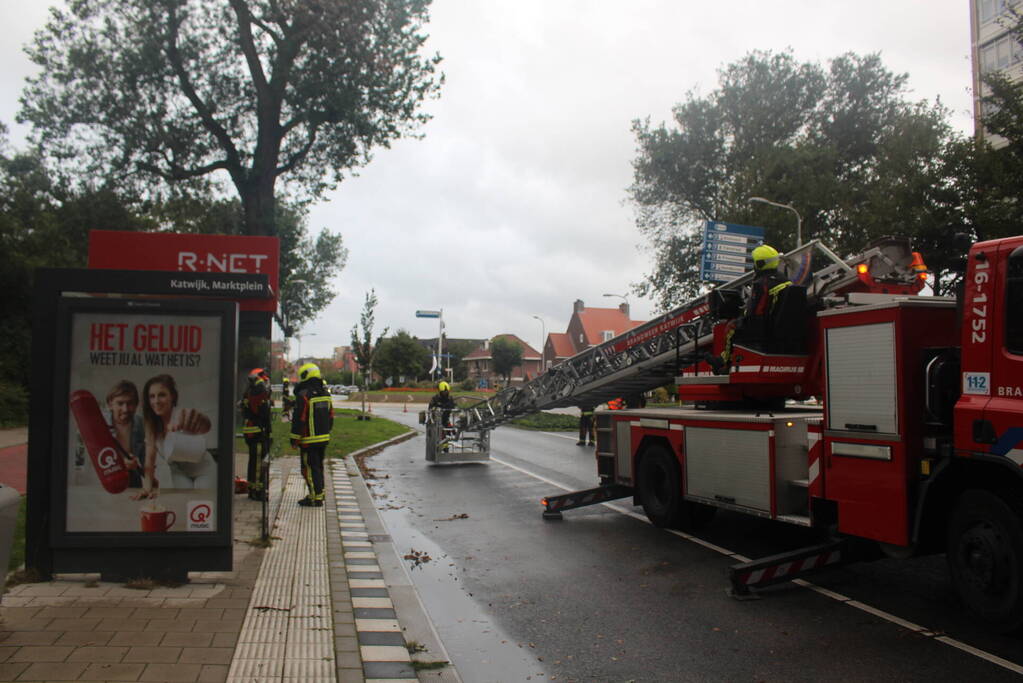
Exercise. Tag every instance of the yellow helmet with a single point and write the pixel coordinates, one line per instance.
(765, 258)
(443, 386)
(308, 371)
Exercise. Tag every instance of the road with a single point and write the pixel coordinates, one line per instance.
(604, 596)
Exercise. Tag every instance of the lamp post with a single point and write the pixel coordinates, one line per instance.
(299, 336)
(543, 343)
(799, 219)
(626, 300)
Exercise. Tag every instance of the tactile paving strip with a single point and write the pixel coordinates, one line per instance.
(381, 643)
(288, 632)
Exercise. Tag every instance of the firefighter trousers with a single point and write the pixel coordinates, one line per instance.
(312, 469)
(257, 456)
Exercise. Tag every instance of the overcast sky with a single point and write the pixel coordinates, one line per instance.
(513, 204)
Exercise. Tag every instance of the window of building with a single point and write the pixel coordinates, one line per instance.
(991, 10)
(581, 338)
(607, 335)
(1014, 304)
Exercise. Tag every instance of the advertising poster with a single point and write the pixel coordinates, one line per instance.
(143, 422)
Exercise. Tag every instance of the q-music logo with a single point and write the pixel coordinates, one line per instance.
(107, 458)
(200, 515)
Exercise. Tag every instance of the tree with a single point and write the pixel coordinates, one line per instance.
(180, 93)
(43, 223)
(841, 144)
(506, 355)
(307, 266)
(364, 348)
(400, 355)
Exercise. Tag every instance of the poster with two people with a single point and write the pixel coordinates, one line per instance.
(144, 398)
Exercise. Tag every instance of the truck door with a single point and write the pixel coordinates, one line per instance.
(1004, 410)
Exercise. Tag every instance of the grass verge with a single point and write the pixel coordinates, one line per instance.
(349, 434)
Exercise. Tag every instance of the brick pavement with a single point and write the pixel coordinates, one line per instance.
(78, 628)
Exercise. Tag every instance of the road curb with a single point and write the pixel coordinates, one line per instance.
(415, 623)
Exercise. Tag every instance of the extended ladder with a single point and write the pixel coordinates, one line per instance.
(645, 357)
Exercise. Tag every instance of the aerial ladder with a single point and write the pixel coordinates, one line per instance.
(674, 346)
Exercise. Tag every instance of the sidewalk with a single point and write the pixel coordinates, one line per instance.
(328, 601)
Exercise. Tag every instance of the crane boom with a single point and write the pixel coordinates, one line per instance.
(647, 357)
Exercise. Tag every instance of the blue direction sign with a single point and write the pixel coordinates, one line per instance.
(726, 250)
(427, 314)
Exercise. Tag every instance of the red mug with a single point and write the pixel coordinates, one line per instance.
(157, 520)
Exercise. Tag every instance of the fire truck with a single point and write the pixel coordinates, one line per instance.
(891, 422)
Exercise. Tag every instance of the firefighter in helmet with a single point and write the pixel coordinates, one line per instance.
(255, 407)
(311, 423)
(767, 285)
(442, 399)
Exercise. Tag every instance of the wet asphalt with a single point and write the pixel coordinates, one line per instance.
(602, 596)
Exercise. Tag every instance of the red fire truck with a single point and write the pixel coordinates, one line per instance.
(912, 442)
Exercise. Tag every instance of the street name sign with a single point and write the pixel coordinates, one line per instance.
(727, 249)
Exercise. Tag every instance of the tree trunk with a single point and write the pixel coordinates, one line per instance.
(259, 204)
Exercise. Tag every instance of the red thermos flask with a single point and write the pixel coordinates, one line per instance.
(104, 451)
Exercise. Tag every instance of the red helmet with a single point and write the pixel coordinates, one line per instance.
(258, 375)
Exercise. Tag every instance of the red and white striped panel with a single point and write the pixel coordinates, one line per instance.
(790, 569)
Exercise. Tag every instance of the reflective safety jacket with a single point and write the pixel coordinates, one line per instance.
(764, 294)
(313, 417)
(255, 407)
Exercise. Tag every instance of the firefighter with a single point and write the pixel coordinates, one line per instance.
(255, 407)
(442, 399)
(585, 426)
(311, 423)
(767, 285)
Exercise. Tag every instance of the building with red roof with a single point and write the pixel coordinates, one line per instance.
(587, 327)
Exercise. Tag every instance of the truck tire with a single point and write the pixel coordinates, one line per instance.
(659, 485)
(985, 557)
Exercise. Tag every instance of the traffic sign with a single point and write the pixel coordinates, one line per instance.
(726, 250)
(427, 314)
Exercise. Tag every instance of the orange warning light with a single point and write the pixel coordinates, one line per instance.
(861, 269)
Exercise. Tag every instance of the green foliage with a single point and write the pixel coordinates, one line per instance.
(548, 422)
(506, 355)
(307, 266)
(185, 93)
(840, 143)
(400, 355)
(43, 223)
(364, 348)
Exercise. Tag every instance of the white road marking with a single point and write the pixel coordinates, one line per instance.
(891, 618)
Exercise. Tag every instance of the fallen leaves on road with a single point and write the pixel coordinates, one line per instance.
(417, 557)
(461, 515)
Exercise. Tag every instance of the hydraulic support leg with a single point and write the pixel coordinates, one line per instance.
(554, 505)
(787, 566)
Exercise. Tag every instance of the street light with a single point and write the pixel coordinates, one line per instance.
(799, 219)
(299, 336)
(543, 343)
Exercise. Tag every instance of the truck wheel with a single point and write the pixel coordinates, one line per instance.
(660, 488)
(985, 557)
